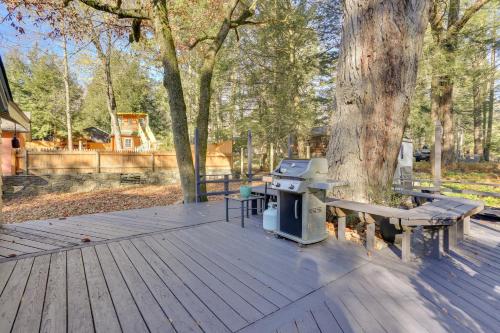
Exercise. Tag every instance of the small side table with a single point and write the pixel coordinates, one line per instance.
(243, 202)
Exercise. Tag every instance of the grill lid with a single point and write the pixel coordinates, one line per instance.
(291, 168)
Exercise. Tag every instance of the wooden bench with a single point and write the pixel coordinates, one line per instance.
(444, 219)
(468, 207)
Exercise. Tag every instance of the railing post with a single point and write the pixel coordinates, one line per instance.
(271, 158)
(197, 164)
(250, 152)
(289, 146)
(226, 184)
(26, 163)
(437, 153)
(242, 160)
(97, 162)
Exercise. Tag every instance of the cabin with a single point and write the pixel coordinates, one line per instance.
(136, 133)
(14, 123)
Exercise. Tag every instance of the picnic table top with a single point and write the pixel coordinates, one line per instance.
(237, 197)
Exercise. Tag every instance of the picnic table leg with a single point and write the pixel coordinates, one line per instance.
(406, 245)
(227, 209)
(370, 236)
(467, 225)
(437, 242)
(242, 214)
(341, 221)
(453, 236)
(460, 230)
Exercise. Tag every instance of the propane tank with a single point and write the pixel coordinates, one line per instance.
(270, 219)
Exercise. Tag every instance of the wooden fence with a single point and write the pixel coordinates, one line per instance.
(87, 161)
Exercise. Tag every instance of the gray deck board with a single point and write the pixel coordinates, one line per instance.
(54, 317)
(79, 312)
(182, 269)
(198, 310)
(103, 309)
(30, 310)
(129, 315)
(12, 293)
(177, 315)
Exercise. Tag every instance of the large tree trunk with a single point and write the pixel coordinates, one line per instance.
(69, 126)
(172, 82)
(382, 43)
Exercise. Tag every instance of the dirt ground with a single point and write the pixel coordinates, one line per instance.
(59, 205)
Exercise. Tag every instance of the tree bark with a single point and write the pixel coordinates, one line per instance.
(69, 126)
(172, 83)
(382, 43)
(491, 97)
(477, 117)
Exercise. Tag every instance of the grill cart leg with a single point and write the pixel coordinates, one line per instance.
(370, 236)
(341, 221)
(467, 225)
(406, 245)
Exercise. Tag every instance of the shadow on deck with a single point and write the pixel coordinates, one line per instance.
(182, 269)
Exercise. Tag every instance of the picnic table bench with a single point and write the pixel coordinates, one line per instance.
(446, 219)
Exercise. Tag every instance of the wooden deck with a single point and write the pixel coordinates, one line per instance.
(182, 269)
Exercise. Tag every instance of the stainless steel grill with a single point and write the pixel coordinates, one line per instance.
(301, 190)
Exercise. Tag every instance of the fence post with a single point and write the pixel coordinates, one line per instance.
(289, 146)
(197, 164)
(26, 163)
(97, 162)
(308, 152)
(250, 152)
(242, 158)
(226, 184)
(437, 153)
(153, 161)
(271, 158)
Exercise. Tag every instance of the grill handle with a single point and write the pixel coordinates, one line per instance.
(295, 209)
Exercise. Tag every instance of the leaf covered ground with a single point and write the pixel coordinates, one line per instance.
(58, 205)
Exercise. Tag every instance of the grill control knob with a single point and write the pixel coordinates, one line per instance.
(291, 187)
(277, 185)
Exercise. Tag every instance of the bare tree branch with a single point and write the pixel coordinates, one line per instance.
(199, 40)
(137, 13)
(454, 29)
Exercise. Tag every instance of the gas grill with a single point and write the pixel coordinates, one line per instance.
(301, 187)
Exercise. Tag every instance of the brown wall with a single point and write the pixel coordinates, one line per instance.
(8, 164)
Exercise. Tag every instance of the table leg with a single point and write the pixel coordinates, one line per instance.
(243, 214)
(227, 209)
(248, 208)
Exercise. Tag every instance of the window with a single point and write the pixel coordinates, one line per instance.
(128, 143)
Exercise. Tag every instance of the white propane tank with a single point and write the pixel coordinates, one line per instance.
(270, 219)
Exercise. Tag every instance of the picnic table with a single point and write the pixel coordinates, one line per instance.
(244, 203)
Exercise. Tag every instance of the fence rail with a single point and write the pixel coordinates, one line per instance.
(87, 161)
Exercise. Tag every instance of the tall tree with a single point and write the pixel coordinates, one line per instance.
(156, 13)
(446, 24)
(381, 46)
(207, 70)
(67, 99)
(102, 39)
(491, 92)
